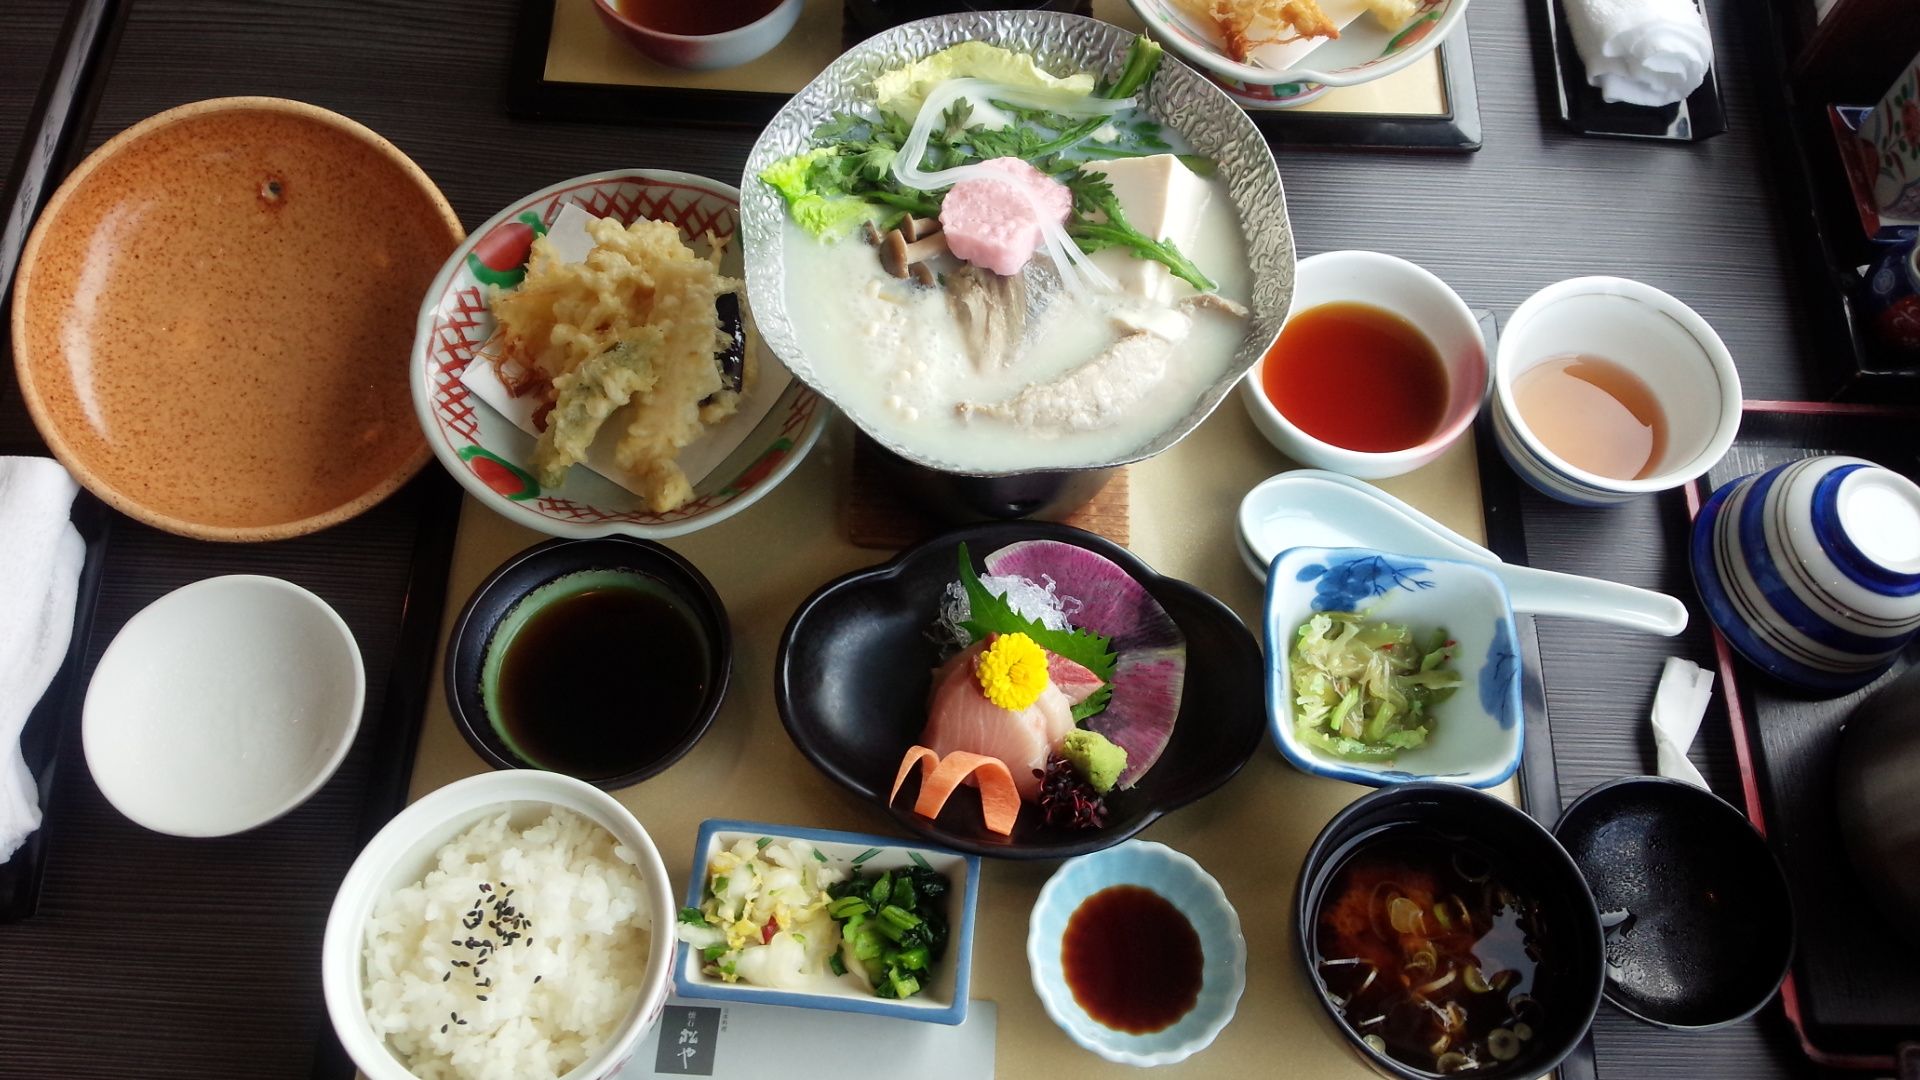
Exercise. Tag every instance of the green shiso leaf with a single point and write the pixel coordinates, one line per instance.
(991, 614)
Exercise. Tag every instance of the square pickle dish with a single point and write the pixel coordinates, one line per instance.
(942, 1000)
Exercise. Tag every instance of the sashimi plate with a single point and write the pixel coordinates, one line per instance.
(856, 663)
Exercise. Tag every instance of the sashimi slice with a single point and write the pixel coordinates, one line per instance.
(1150, 669)
(940, 776)
(1076, 683)
(960, 718)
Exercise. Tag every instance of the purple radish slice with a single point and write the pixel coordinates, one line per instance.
(1150, 667)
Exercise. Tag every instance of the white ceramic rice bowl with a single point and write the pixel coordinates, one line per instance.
(402, 853)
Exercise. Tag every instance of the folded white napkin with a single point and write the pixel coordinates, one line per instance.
(1678, 707)
(43, 557)
(1642, 52)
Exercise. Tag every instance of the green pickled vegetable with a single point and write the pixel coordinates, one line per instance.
(1365, 690)
(894, 926)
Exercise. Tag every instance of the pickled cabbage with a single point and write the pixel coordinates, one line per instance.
(1365, 689)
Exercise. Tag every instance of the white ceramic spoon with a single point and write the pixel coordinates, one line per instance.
(1308, 507)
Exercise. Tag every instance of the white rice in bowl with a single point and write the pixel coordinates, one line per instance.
(516, 958)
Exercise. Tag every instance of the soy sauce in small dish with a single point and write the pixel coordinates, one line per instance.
(1357, 376)
(596, 674)
(1132, 960)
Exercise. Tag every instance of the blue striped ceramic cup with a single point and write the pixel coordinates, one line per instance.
(1661, 341)
(1812, 569)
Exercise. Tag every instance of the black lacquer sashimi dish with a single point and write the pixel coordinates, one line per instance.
(1021, 690)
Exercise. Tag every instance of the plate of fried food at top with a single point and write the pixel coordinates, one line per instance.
(585, 364)
(1278, 54)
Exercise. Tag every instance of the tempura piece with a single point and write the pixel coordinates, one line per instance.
(1393, 14)
(1248, 24)
(634, 323)
(587, 395)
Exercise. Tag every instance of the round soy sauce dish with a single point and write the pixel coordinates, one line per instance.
(550, 574)
(1695, 908)
(1571, 963)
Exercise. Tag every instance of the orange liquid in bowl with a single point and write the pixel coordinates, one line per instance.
(1595, 414)
(1357, 376)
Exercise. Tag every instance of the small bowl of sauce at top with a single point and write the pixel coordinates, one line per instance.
(700, 35)
(602, 659)
(1379, 368)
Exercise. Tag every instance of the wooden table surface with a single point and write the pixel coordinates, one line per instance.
(236, 995)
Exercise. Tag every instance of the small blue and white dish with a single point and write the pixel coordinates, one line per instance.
(1476, 732)
(1180, 881)
(943, 1000)
(1812, 569)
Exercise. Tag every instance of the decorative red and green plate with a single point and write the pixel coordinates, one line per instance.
(1364, 51)
(493, 459)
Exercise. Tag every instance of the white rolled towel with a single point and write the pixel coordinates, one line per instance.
(43, 556)
(1642, 52)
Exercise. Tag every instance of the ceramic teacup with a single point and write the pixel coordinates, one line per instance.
(1812, 569)
(1412, 293)
(1658, 339)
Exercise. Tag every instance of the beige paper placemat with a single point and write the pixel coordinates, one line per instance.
(582, 50)
(1251, 835)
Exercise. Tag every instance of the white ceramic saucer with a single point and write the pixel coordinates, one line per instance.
(223, 705)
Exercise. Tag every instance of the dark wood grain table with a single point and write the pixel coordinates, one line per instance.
(154, 957)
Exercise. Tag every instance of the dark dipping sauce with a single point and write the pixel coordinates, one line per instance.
(1132, 960)
(603, 674)
(1357, 376)
(1429, 954)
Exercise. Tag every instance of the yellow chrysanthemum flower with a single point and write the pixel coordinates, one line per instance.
(1012, 671)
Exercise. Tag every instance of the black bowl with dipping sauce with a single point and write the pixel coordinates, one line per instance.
(1433, 857)
(855, 666)
(961, 498)
(1695, 908)
(603, 659)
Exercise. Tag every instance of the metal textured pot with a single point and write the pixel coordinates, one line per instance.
(1879, 801)
(1178, 97)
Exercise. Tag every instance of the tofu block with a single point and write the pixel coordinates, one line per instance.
(1163, 199)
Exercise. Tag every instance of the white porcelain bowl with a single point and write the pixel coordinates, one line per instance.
(222, 705)
(1651, 334)
(1364, 51)
(402, 853)
(1179, 880)
(1477, 732)
(1414, 294)
(703, 52)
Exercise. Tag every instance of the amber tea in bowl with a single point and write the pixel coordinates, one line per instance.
(1606, 389)
(1595, 413)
